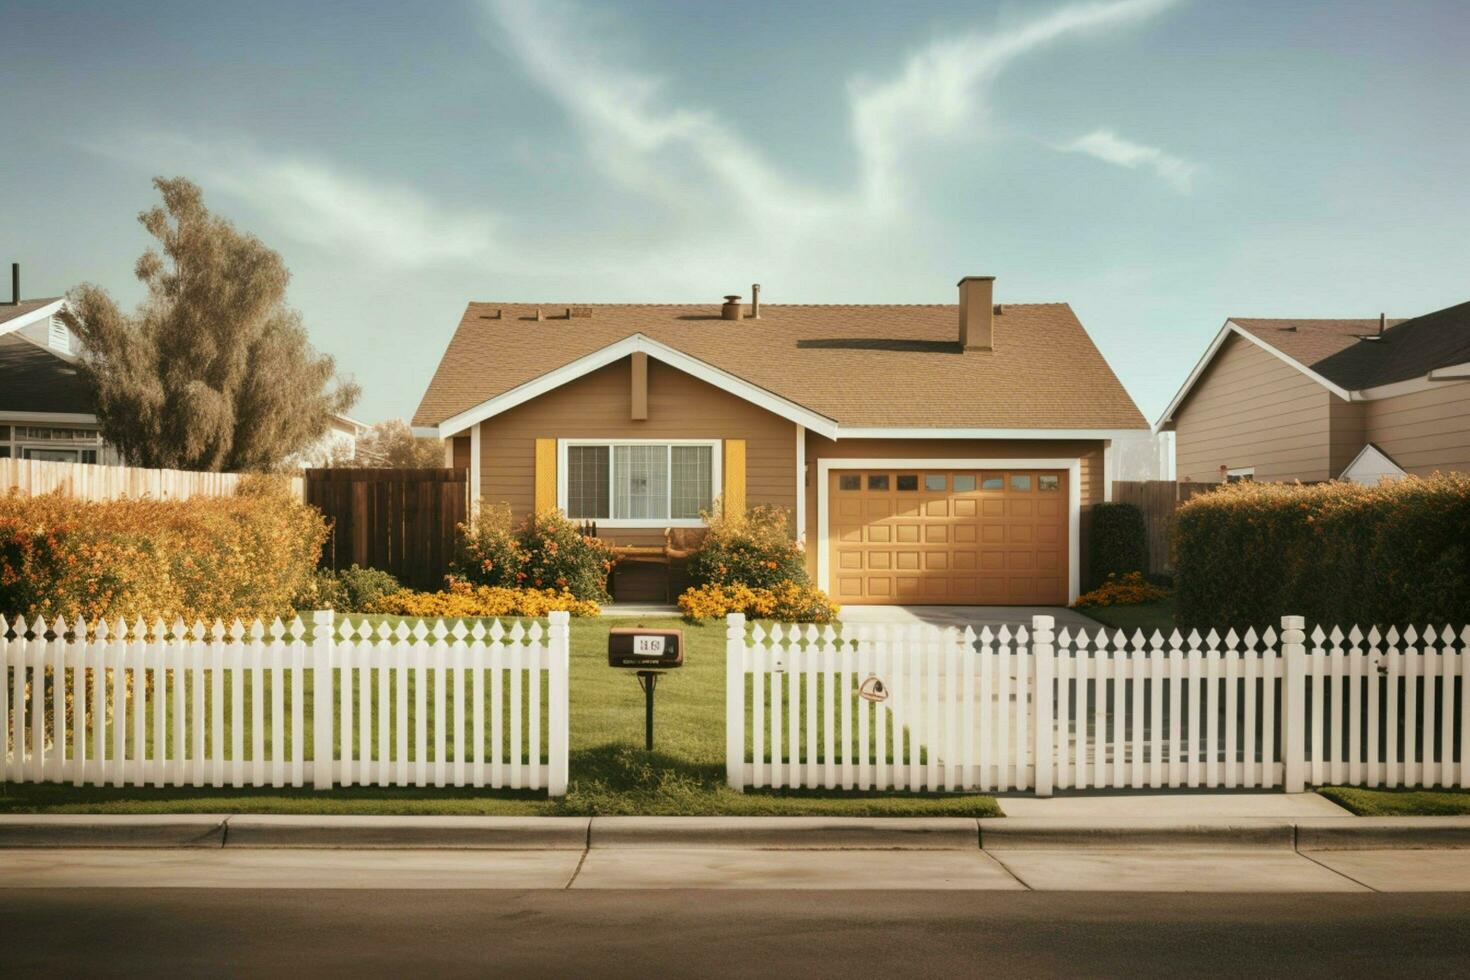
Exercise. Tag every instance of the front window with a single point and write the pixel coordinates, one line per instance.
(639, 482)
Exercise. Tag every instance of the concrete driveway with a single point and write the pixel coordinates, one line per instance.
(962, 616)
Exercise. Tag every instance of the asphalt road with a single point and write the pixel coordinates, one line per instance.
(726, 933)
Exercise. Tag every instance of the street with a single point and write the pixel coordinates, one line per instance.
(727, 933)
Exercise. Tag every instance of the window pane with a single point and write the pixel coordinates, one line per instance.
(641, 482)
(964, 482)
(935, 481)
(4, 452)
(849, 481)
(992, 481)
(693, 481)
(908, 481)
(587, 482)
(1046, 482)
(1021, 482)
(877, 481)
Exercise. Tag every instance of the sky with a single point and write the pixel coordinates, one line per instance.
(1158, 164)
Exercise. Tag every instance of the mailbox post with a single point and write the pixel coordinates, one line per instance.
(650, 653)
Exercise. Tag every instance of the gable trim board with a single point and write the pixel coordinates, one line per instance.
(1072, 466)
(34, 316)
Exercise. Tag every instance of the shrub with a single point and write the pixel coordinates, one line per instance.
(1337, 553)
(463, 599)
(350, 590)
(1127, 590)
(790, 602)
(1117, 542)
(753, 549)
(546, 552)
(203, 558)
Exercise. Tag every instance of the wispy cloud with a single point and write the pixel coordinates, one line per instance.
(1109, 147)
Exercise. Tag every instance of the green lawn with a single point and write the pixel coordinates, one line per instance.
(1149, 617)
(1399, 802)
(610, 771)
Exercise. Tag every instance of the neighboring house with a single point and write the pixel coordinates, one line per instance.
(337, 445)
(1317, 400)
(929, 453)
(44, 409)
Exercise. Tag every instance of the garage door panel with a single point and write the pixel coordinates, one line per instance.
(997, 537)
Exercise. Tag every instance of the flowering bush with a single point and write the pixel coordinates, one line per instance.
(350, 590)
(791, 602)
(546, 552)
(755, 549)
(201, 558)
(1392, 554)
(1131, 589)
(463, 599)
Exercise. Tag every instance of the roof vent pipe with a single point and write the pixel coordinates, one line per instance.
(1382, 322)
(731, 309)
(14, 284)
(755, 301)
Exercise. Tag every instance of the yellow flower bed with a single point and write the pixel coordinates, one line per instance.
(1130, 590)
(462, 599)
(787, 601)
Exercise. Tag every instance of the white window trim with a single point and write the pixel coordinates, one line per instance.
(1074, 502)
(716, 480)
(1241, 471)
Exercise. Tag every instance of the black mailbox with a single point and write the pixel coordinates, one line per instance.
(644, 649)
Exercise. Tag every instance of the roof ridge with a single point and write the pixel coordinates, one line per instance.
(552, 304)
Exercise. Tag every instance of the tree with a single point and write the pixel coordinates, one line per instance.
(213, 371)
(392, 443)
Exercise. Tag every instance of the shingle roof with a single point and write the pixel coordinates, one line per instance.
(12, 312)
(1333, 348)
(34, 379)
(861, 366)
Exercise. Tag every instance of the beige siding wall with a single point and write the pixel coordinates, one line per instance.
(599, 405)
(1252, 409)
(1425, 431)
(1088, 452)
(1349, 432)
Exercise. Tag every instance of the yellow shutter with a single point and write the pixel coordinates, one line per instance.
(545, 475)
(734, 497)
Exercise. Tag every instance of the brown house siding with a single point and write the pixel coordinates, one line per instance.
(1349, 431)
(1252, 409)
(1423, 432)
(599, 406)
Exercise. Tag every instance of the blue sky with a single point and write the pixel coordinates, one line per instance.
(1159, 165)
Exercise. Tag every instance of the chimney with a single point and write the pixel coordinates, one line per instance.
(977, 314)
(755, 301)
(14, 284)
(731, 309)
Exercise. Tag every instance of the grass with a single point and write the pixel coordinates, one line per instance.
(610, 771)
(1399, 802)
(1148, 617)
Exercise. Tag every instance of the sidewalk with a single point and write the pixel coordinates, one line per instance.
(1235, 854)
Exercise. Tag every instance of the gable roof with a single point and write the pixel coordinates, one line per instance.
(36, 379)
(857, 366)
(1335, 354)
(16, 315)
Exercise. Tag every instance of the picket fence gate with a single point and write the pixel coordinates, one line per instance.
(112, 704)
(1017, 709)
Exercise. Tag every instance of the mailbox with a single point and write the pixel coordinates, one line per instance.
(644, 649)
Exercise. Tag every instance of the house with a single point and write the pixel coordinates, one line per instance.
(929, 453)
(1311, 400)
(45, 410)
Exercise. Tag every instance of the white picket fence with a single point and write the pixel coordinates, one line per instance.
(112, 704)
(1030, 709)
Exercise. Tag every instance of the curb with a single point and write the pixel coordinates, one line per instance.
(106, 830)
(1040, 833)
(443, 833)
(788, 833)
(1382, 833)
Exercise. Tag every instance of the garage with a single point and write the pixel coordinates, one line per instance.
(956, 537)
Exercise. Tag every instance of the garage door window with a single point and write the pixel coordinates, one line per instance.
(877, 481)
(850, 482)
(993, 481)
(935, 481)
(1045, 483)
(1021, 482)
(964, 483)
(908, 482)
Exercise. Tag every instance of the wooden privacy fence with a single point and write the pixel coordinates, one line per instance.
(401, 521)
(89, 481)
(1030, 709)
(1158, 499)
(99, 704)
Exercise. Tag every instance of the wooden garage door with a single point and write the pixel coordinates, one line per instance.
(987, 537)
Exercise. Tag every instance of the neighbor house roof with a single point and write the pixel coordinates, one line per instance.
(24, 310)
(859, 366)
(1350, 355)
(36, 379)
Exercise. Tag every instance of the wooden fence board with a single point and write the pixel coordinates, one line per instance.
(91, 481)
(402, 521)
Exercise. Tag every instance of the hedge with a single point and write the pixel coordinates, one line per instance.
(203, 558)
(1395, 554)
(1117, 542)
